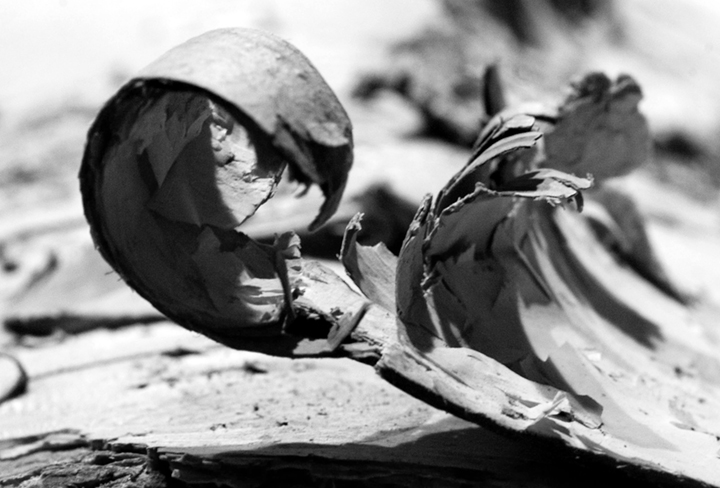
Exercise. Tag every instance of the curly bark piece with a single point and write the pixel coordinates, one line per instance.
(185, 152)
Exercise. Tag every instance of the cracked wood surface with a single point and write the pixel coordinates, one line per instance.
(145, 404)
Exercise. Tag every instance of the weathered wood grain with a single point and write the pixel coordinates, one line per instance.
(150, 404)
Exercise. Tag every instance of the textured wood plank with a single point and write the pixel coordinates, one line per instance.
(207, 414)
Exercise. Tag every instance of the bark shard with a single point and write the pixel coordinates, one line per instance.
(185, 152)
(514, 314)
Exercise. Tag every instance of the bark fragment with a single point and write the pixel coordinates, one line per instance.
(187, 151)
(513, 313)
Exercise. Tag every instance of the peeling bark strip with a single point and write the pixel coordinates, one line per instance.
(517, 313)
(185, 152)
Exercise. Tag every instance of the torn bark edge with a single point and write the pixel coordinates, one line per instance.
(348, 251)
(373, 269)
(358, 328)
(339, 342)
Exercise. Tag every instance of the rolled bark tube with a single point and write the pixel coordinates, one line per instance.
(186, 151)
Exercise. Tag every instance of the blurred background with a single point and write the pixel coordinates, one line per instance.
(409, 73)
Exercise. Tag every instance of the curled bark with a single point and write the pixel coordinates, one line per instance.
(185, 152)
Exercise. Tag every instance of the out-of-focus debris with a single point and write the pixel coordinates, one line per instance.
(38, 165)
(530, 21)
(432, 74)
(13, 379)
(599, 129)
(76, 291)
(620, 227)
(688, 162)
(23, 265)
(64, 439)
(539, 46)
(449, 72)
